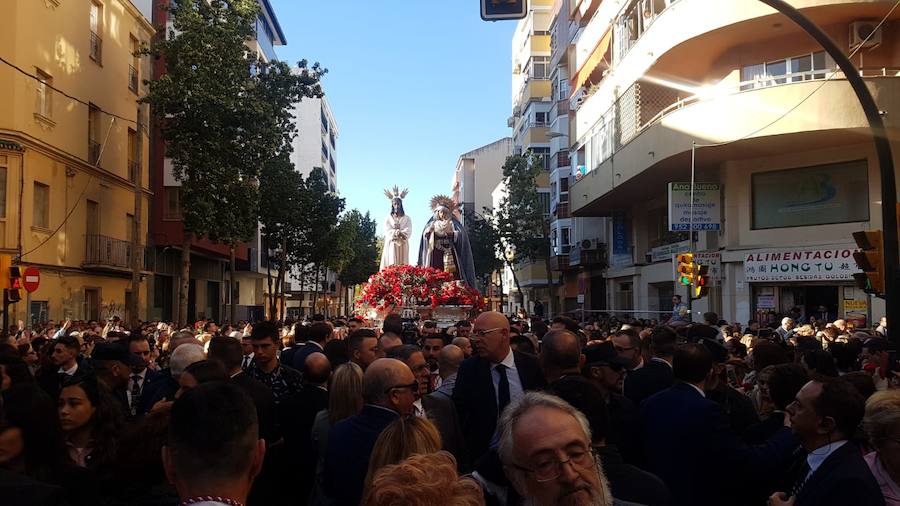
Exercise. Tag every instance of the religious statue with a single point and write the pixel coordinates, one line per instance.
(397, 230)
(445, 243)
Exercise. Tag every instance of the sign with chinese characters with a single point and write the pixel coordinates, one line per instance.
(713, 259)
(800, 265)
(706, 207)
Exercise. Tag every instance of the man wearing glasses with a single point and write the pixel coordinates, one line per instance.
(389, 391)
(490, 380)
(545, 447)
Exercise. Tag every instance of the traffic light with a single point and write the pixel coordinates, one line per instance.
(14, 292)
(494, 10)
(5, 264)
(686, 269)
(701, 282)
(870, 260)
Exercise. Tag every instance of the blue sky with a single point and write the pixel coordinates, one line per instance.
(412, 86)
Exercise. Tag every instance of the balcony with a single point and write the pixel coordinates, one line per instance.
(96, 50)
(559, 263)
(132, 78)
(562, 211)
(94, 153)
(562, 107)
(591, 257)
(104, 253)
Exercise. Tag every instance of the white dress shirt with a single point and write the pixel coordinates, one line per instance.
(515, 384)
(418, 409)
(816, 457)
(69, 372)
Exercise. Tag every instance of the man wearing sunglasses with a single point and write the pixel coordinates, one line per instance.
(490, 380)
(389, 391)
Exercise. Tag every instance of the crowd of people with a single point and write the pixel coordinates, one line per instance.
(494, 410)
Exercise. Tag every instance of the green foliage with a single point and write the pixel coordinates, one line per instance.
(520, 217)
(365, 260)
(224, 114)
(322, 209)
(486, 246)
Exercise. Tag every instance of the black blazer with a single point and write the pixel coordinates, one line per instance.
(843, 479)
(440, 410)
(689, 444)
(476, 401)
(264, 401)
(654, 377)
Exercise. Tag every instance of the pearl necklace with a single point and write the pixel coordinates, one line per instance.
(210, 498)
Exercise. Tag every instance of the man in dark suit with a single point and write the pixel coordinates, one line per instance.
(67, 364)
(489, 380)
(141, 377)
(297, 413)
(689, 443)
(389, 390)
(318, 335)
(436, 408)
(656, 374)
(824, 415)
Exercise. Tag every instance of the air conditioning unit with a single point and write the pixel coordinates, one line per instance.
(589, 244)
(862, 30)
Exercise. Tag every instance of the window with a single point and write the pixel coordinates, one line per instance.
(44, 94)
(3, 175)
(798, 68)
(133, 155)
(324, 151)
(92, 219)
(540, 119)
(41, 211)
(96, 47)
(39, 312)
(539, 67)
(133, 72)
(173, 203)
(566, 235)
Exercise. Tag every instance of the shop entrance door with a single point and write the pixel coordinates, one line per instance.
(808, 299)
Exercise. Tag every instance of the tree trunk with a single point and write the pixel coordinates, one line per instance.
(182, 318)
(521, 296)
(315, 304)
(550, 293)
(270, 298)
(231, 308)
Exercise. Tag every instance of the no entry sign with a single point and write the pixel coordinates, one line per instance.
(32, 279)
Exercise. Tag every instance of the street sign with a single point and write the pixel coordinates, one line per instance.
(706, 207)
(494, 10)
(32, 279)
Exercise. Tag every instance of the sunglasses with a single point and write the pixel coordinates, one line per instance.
(414, 386)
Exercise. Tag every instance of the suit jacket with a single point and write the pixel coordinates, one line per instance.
(476, 400)
(265, 406)
(844, 478)
(689, 444)
(630, 483)
(151, 377)
(654, 377)
(49, 381)
(299, 361)
(440, 410)
(350, 444)
(162, 388)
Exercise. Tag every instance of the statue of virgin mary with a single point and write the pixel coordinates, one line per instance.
(445, 242)
(397, 229)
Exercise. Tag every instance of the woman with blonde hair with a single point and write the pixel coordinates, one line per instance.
(423, 480)
(882, 426)
(344, 400)
(404, 437)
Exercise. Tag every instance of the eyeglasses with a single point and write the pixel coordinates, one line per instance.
(413, 387)
(481, 333)
(550, 469)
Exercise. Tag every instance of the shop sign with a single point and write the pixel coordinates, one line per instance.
(706, 207)
(665, 252)
(765, 302)
(856, 312)
(800, 265)
(713, 259)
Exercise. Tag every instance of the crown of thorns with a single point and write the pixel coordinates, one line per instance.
(395, 193)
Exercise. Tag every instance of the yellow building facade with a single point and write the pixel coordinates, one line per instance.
(73, 139)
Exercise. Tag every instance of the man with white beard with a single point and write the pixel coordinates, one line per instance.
(545, 447)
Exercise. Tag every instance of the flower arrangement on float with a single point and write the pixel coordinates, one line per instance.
(400, 286)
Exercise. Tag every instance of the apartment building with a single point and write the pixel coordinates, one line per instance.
(207, 289)
(72, 142)
(315, 147)
(785, 151)
(530, 121)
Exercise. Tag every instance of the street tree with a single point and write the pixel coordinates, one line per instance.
(222, 113)
(486, 245)
(365, 260)
(522, 220)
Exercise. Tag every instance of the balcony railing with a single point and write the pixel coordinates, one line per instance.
(132, 78)
(93, 153)
(106, 252)
(562, 107)
(133, 168)
(592, 257)
(96, 51)
(559, 262)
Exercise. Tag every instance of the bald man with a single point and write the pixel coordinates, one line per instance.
(389, 389)
(464, 344)
(489, 380)
(389, 340)
(449, 360)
